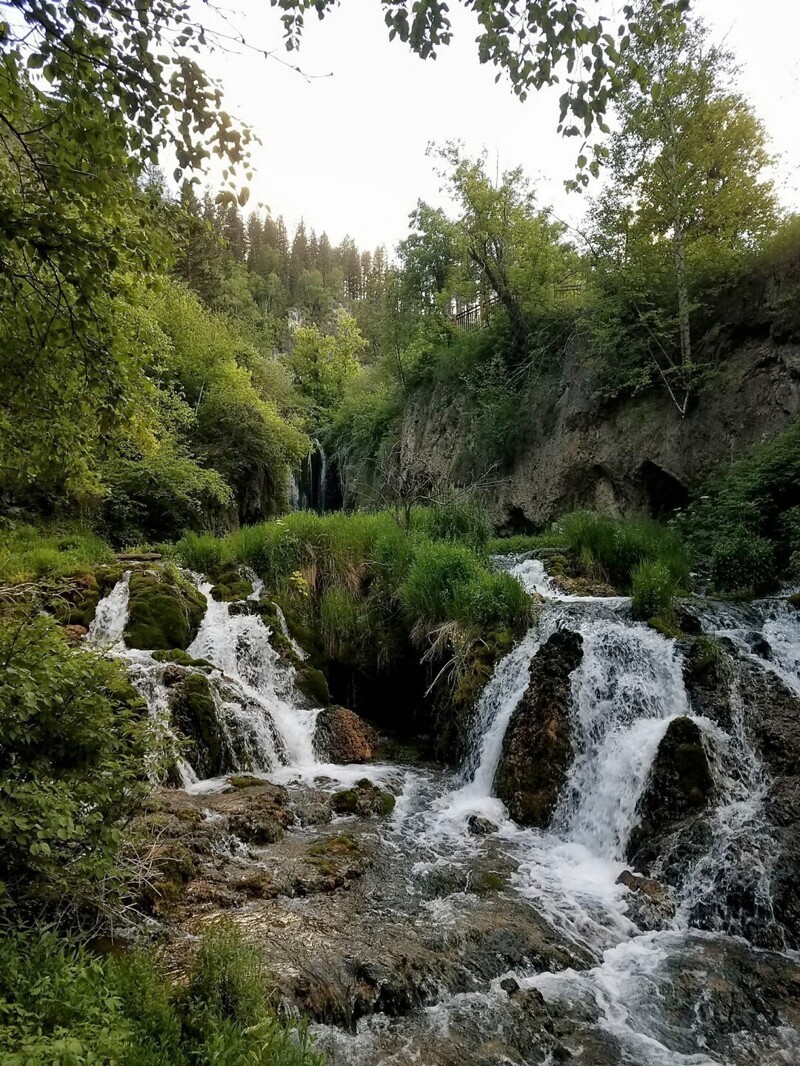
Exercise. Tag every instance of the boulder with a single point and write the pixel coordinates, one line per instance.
(194, 716)
(342, 737)
(364, 799)
(679, 788)
(537, 749)
(707, 675)
(650, 904)
(165, 611)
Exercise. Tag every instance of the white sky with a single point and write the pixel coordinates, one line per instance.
(347, 152)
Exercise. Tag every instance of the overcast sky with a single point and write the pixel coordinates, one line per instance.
(347, 152)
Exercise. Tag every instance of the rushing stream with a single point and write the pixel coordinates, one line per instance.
(636, 996)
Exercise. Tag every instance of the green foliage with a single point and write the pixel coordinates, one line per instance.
(29, 553)
(72, 746)
(743, 522)
(324, 365)
(62, 1006)
(614, 549)
(653, 589)
(449, 583)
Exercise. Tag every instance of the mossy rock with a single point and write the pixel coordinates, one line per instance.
(242, 781)
(231, 586)
(313, 685)
(194, 715)
(165, 611)
(181, 658)
(364, 799)
(665, 626)
(74, 601)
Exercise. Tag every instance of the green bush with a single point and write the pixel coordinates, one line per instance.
(28, 553)
(742, 525)
(72, 747)
(653, 589)
(61, 1006)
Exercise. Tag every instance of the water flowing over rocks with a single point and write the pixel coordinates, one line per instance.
(537, 748)
(679, 787)
(412, 915)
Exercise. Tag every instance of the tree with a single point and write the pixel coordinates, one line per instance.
(533, 42)
(324, 364)
(688, 195)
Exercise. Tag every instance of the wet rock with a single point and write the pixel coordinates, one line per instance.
(707, 675)
(342, 737)
(480, 827)
(194, 715)
(537, 749)
(165, 611)
(364, 799)
(75, 634)
(773, 713)
(679, 788)
(509, 985)
(650, 904)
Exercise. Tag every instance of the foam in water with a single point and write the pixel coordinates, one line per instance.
(239, 645)
(624, 694)
(111, 615)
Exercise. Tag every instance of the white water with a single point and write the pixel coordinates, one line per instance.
(626, 691)
(111, 614)
(239, 645)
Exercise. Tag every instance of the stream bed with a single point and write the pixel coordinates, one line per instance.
(444, 932)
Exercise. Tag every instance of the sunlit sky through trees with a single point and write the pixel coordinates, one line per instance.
(347, 152)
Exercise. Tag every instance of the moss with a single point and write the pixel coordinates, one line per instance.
(364, 800)
(340, 846)
(194, 715)
(181, 658)
(231, 586)
(665, 626)
(245, 781)
(311, 682)
(165, 611)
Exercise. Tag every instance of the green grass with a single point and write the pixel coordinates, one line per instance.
(358, 577)
(28, 553)
(62, 1006)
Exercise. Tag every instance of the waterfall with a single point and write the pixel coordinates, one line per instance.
(111, 615)
(239, 645)
(626, 691)
(322, 489)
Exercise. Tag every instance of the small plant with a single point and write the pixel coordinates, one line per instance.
(653, 590)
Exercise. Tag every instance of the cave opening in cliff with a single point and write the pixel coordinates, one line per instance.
(664, 492)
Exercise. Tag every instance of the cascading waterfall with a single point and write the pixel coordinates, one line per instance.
(111, 614)
(239, 645)
(625, 693)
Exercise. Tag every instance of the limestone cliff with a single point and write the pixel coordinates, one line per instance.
(630, 456)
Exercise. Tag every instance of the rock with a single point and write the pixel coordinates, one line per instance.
(650, 904)
(165, 611)
(509, 985)
(679, 787)
(342, 737)
(537, 749)
(313, 685)
(231, 586)
(75, 634)
(194, 715)
(707, 675)
(364, 799)
(480, 827)
(181, 658)
(759, 645)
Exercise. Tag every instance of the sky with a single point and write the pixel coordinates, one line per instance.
(348, 152)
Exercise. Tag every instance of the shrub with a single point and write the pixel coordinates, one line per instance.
(28, 553)
(72, 746)
(742, 524)
(61, 1006)
(653, 589)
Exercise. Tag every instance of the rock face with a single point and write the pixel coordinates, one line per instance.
(341, 736)
(537, 749)
(625, 457)
(194, 715)
(774, 723)
(680, 787)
